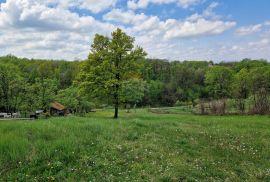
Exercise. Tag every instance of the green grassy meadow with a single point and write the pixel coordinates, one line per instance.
(141, 146)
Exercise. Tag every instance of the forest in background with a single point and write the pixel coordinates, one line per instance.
(27, 85)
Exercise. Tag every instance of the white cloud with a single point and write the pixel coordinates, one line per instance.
(170, 28)
(164, 38)
(27, 14)
(49, 29)
(233, 51)
(235, 48)
(267, 23)
(141, 4)
(128, 17)
(260, 44)
(207, 13)
(94, 6)
(198, 28)
(249, 29)
(35, 29)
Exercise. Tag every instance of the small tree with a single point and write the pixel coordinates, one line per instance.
(241, 88)
(111, 62)
(260, 82)
(69, 97)
(48, 89)
(11, 86)
(219, 83)
(154, 92)
(40, 94)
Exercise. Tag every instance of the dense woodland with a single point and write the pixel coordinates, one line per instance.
(117, 74)
(27, 85)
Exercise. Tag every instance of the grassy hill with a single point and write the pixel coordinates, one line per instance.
(141, 146)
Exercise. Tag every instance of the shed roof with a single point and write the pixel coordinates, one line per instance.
(57, 106)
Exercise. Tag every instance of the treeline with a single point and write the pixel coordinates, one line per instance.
(29, 85)
(242, 87)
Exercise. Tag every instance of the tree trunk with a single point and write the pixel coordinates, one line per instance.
(116, 111)
(117, 86)
(116, 98)
(116, 102)
(241, 105)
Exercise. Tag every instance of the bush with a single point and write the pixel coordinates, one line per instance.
(183, 103)
(217, 107)
(261, 103)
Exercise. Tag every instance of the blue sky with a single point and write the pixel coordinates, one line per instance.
(219, 30)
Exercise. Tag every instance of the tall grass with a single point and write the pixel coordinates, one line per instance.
(140, 146)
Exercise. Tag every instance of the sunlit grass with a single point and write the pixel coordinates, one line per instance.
(139, 146)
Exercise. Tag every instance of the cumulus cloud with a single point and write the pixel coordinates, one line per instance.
(207, 13)
(198, 28)
(235, 48)
(170, 28)
(97, 5)
(260, 44)
(29, 14)
(126, 17)
(233, 51)
(53, 29)
(249, 29)
(35, 29)
(267, 23)
(48, 29)
(94, 6)
(161, 38)
(140, 4)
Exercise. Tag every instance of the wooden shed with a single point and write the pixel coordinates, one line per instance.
(57, 109)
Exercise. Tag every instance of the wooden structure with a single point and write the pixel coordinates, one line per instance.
(57, 109)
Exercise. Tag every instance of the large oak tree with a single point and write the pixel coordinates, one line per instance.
(111, 62)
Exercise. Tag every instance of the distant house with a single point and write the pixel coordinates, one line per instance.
(57, 109)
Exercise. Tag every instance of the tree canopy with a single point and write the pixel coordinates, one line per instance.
(111, 62)
(27, 85)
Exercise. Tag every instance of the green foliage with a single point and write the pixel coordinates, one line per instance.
(95, 80)
(69, 97)
(242, 83)
(219, 82)
(250, 64)
(242, 87)
(33, 83)
(260, 79)
(45, 91)
(154, 92)
(132, 91)
(111, 62)
(11, 85)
